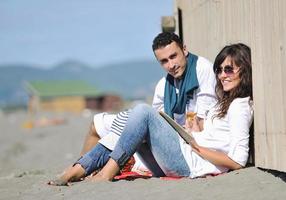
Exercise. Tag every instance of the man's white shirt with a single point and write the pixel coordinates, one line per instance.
(203, 97)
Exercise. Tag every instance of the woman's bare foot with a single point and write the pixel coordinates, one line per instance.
(99, 177)
(107, 173)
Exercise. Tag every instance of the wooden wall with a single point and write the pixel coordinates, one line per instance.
(208, 25)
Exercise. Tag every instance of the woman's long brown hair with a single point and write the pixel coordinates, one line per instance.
(240, 54)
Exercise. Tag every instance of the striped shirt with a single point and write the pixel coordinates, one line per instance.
(119, 122)
(110, 140)
(117, 126)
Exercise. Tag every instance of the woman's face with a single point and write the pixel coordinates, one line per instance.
(228, 74)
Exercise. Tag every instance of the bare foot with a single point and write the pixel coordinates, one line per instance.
(107, 173)
(99, 177)
(66, 170)
(74, 173)
(58, 182)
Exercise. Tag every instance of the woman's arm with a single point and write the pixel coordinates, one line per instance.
(239, 119)
(215, 157)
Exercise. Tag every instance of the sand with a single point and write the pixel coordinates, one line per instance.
(31, 157)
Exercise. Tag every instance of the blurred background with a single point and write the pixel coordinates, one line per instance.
(73, 55)
(61, 61)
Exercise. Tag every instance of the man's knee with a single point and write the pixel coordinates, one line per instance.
(143, 108)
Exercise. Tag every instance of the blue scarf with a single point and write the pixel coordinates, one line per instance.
(177, 104)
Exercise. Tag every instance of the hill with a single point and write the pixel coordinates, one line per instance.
(134, 79)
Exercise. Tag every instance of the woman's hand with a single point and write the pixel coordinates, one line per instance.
(195, 146)
(192, 124)
(215, 157)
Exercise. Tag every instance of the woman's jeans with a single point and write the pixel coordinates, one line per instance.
(152, 137)
(94, 159)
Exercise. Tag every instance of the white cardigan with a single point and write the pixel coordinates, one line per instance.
(229, 135)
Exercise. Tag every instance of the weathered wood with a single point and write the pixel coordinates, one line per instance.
(209, 25)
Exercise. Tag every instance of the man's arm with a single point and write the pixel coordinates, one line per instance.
(158, 99)
(206, 96)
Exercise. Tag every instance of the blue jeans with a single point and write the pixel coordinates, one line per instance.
(162, 148)
(156, 142)
(94, 159)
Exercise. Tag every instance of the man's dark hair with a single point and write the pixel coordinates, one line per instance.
(166, 38)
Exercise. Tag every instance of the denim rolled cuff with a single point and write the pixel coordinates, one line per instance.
(86, 163)
(119, 156)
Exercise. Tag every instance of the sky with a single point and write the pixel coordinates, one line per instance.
(45, 33)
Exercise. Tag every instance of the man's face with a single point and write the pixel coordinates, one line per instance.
(173, 59)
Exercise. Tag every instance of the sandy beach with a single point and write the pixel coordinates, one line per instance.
(32, 156)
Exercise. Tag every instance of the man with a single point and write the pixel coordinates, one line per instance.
(188, 87)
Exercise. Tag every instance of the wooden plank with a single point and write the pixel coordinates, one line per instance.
(209, 25)
(268, 86)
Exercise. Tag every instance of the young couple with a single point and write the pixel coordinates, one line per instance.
(221, 95)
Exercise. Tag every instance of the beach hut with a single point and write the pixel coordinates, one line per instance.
(207, 26)
(68, 96)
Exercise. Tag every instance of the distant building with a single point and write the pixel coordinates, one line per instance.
(70, 96)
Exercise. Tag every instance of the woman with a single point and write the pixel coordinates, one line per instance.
(221, 146)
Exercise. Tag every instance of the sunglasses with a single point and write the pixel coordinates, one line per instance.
(228, 70)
